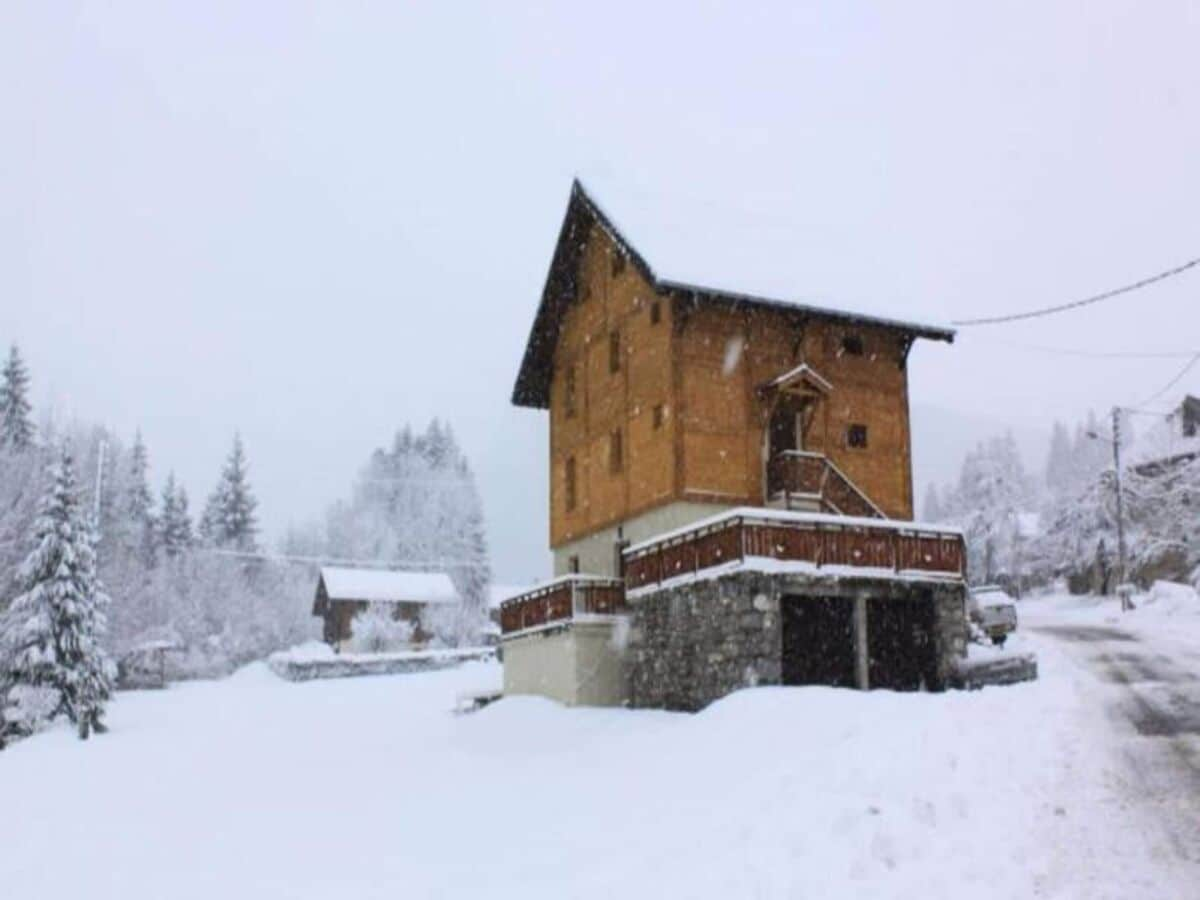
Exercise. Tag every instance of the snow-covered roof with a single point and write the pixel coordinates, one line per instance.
(684, 246)
(384, 586)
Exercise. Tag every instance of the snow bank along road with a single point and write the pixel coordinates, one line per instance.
(370, 788)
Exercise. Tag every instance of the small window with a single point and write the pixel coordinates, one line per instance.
(856, 436)
(618, 263)
(616, 452)
(852, 345)
(569, 392)
(569, 483)
(614, 351)
(660, 416)
(655, 312)
(573, 565)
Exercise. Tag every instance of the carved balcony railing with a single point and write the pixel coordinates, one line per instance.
(820, 539)
(560, 601)
(800, 479)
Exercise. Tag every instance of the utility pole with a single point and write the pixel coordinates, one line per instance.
(1126, 605)
(1116, 443)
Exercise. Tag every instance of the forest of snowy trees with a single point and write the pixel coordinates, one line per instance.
(132, 567)
(1061, 523)
(415, 505)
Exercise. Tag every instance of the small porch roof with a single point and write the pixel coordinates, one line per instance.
(803, 373)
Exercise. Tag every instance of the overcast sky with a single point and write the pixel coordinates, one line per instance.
(316, 222)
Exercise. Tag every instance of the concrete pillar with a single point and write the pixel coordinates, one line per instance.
(862, 652)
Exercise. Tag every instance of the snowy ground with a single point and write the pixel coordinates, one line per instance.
(256, 787)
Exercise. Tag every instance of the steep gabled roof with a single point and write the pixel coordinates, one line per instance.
(532, 387)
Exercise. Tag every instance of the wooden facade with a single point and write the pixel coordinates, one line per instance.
(660, 392)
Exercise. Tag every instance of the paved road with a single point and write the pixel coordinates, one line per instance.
(1152, 693)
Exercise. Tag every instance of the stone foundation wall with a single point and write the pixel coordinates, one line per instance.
(697, 642)
(690, 645)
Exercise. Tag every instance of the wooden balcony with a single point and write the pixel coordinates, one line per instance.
(560, 601)
(797, 479)
(871, 545)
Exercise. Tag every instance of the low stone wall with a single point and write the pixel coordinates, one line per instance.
(695, 642)
(351, 666)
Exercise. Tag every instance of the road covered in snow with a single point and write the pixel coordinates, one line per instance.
(1142, 671)
(372, 787)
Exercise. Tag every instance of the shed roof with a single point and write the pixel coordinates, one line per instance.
(385, 586)
(694, 255)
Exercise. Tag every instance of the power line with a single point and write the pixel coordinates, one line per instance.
(1087, 301)
(1174, 381)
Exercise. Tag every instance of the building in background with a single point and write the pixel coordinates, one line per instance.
(344, 593)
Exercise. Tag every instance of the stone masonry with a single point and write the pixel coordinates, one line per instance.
(696, 642)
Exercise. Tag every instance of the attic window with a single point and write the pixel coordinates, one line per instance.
(616, 452)
(618, 264)
(569, 392)
(569, 483)
(614, 351)
(852, 345)
(856, 437)
(655, 312)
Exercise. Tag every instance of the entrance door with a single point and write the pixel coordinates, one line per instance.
(787, 427)
(903, 653)
(818, 641)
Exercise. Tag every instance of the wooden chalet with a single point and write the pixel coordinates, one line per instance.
(674, 403)
(343, 593)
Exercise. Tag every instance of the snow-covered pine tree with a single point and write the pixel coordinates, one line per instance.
(207, 528)
(1060, 464)
(59, 619)
(175, 528)
(992, 490)
(140, 528)
(229, 517)
(473, 576)
(16, 424)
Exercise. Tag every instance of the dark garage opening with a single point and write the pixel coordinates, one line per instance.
(818, 640)
(900, 643)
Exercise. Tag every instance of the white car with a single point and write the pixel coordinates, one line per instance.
(994, 611)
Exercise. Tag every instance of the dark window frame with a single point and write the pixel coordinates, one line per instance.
(853, 345)
(570, 392)
(655, 312)
(616, 452)
(658, 416)
(570, 484)
(857, 436)
(614, 351)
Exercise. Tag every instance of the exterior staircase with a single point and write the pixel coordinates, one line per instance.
(810, 482)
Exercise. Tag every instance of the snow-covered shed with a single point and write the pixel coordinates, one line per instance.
(343, 592)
